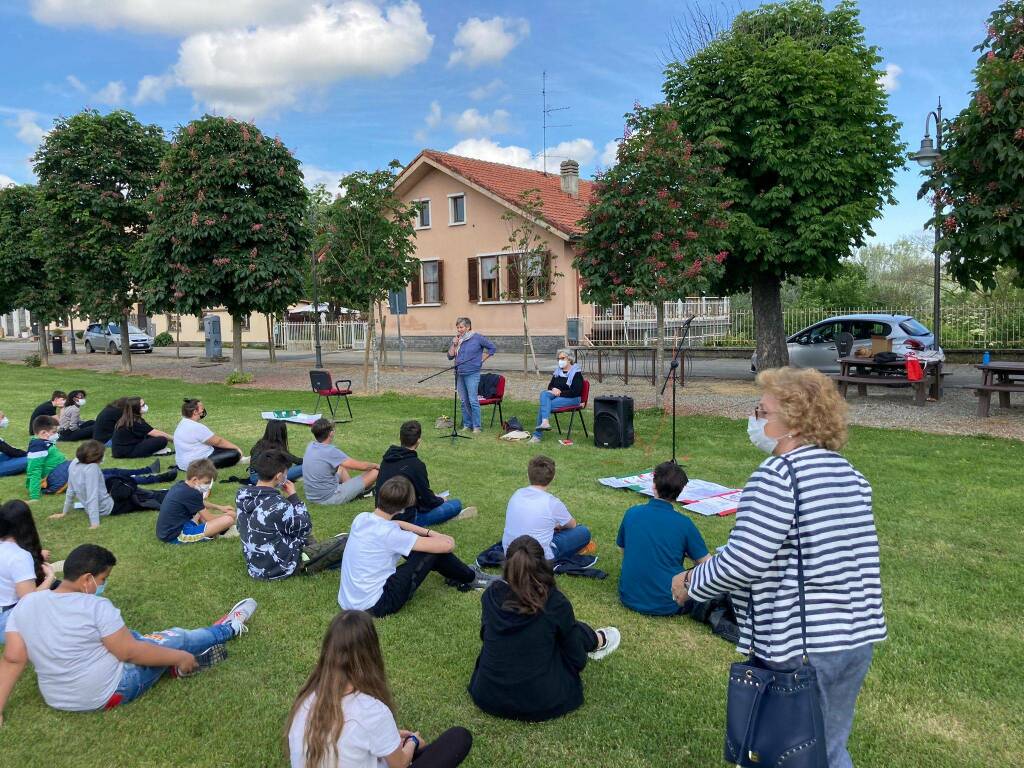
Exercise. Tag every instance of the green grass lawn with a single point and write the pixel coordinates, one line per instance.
(945, 690)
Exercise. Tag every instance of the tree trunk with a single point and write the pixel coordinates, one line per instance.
(270, 339)
(528, 343)
(376, 352)
(236, 343)
(659, 349)
(71, 335)
(769, 328)
(44, 349)
(126, 345)
(383, 345)
(177, 338)
(366, 348)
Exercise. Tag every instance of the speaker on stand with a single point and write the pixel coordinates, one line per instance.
(613, 422)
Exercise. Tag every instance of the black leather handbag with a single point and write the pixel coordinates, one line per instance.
(773, 718)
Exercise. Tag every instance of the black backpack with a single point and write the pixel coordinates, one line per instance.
(128, 497)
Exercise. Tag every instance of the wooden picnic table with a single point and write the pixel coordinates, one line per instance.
(866, 372)
(1002, 377)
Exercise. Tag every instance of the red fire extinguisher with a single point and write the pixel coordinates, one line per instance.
(914, 370)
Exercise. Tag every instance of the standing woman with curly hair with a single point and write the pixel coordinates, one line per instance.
(344, 715)
(801, 421)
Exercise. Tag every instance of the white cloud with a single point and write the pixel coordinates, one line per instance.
(26, 125)
(6, 181)
(76, 84)
(111, 93)
(581, 150)
(179, 17)
(433, 118)
(609, 155)
(889, 80)
(487, 42)
(482, 92)
(314, 175)
(252, 71)
(153, 88)
(472, 121)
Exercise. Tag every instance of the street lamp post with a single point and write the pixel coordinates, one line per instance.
(927, 156)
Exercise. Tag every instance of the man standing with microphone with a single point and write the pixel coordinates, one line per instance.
(469, 350)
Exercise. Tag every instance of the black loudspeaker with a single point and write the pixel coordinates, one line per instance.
(613, 422)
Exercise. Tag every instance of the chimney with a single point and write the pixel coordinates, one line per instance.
(570, 170)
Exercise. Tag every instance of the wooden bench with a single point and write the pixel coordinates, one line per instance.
(984, 393)
(863, 382)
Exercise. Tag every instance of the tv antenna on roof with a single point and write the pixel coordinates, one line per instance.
(546, 110)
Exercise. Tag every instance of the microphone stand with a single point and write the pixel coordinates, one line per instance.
(455, 399)
(671, 374)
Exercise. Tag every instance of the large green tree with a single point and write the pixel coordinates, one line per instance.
(978, 195)
(29, 279)
(791, 91)
(95, 172)
(655, 228)
(228, 225)
(368, 236)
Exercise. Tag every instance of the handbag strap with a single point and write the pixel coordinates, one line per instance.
(799, 571)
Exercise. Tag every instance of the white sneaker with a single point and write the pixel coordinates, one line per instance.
(534, 440)
(239, 614)
(231, 533)
(612, 638)
(466, 514)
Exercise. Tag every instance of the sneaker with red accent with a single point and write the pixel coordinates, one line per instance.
(239, 614)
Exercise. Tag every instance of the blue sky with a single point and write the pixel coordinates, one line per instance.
(351, 85)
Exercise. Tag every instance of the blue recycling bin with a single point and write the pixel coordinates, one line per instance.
(214, 343)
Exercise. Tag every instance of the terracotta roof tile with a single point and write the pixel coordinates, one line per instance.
(508, 182)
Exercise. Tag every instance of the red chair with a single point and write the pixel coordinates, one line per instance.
(495, 401)
(325, 387)
(572, 410)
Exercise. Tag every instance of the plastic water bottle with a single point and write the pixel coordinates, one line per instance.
(986, 358)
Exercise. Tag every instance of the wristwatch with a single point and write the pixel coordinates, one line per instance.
(415, 741)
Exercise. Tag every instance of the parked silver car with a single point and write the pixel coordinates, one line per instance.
(815, 346)
(107, 337)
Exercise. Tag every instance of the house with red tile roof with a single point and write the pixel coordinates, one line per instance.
(462, 244)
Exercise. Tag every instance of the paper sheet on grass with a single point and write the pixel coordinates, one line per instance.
(699, 496)
(295, 417)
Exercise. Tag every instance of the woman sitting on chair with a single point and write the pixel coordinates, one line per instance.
(564, 390)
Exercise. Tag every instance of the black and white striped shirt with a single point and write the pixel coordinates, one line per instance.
(758, 566)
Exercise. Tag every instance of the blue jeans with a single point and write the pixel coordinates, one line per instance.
(468, 385)
(438, 515)
(548, 403)
(840, 677)
(293, 474)
(3, 625)
(136, 680)
(567, 542)
(10, 467)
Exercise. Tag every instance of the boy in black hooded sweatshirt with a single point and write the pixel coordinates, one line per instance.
(402, 460)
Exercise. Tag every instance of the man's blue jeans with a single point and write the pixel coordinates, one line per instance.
(136, 680)
(469, 386)
(438, 515)
(568, 542)
(15, 466)
(548, 403)
(840, 677)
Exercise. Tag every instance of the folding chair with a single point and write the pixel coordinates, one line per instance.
(322, 383)
(572, 410)
(495, 401)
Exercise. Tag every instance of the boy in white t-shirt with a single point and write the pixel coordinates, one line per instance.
(534, 512)
(85, 658)
(193, 440)
(372, 580)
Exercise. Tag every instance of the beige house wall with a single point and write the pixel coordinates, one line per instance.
(484, 233)
(192, 327)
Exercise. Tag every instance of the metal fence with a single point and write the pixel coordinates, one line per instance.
(333, 335)
(637, 324)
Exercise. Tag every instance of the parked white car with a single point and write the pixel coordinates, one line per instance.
(107, 337)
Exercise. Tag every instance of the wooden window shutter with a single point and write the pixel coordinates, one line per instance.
(512, 290)
(546, 280)
(473, 268)
(415, 286)
(440, 282)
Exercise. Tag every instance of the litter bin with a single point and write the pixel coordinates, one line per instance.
(57, 342)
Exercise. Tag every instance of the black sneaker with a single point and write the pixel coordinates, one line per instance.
(215, 654)
(154, 468)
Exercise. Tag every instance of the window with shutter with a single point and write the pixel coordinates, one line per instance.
(429, 270)
(473, 268)
(440, 282)
(414, 289)
(513, 276)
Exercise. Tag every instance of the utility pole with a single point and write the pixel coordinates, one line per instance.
(545, 111)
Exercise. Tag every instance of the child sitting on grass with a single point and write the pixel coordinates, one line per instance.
(372, 580)
(325, 469)
(84, 656)
(23, 566)
(186, 516)
(344, 714)
(48, 470)
(276, 529)
(533, 647)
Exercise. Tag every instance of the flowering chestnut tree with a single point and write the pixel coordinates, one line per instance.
(228, 226)
(978, 197)
(655, 227)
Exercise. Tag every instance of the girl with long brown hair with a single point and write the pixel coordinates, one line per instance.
(133, 437)
(533, 647)
(344, 716)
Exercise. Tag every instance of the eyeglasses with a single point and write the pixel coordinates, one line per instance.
(761, 413)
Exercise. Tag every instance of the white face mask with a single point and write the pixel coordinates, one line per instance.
(205, 489)
(4, 422)
(563, 363)
(81, 402)
(755, 431)
(143, 409)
